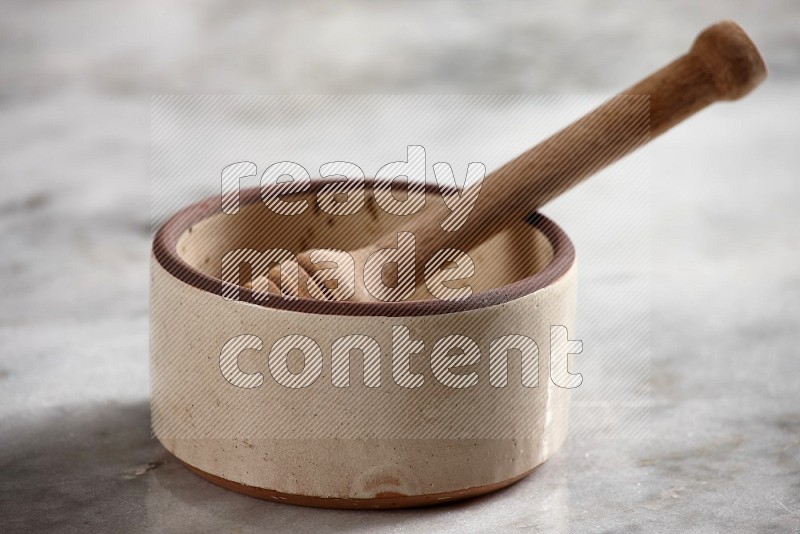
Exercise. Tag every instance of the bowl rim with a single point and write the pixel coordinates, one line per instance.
(165, 251)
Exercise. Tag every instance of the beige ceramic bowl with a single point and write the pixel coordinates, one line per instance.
(354, 447)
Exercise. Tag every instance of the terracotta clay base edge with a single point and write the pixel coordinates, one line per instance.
(382, 502)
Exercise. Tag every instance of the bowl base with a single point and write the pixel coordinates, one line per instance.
(384, 501)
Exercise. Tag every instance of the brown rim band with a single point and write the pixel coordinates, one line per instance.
(165, 250)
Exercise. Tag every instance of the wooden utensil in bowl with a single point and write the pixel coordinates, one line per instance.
(722, 64)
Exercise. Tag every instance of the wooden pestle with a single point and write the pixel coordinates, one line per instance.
(722, 64)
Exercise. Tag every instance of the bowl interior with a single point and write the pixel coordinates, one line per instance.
(516, 253)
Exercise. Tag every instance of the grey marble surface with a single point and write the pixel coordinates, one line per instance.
(721, 450)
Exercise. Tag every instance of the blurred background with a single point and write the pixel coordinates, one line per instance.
(76, 82)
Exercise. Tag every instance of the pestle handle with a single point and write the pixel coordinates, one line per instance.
(722, 64)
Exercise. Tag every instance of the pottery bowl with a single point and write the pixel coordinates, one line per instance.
(293, 429)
